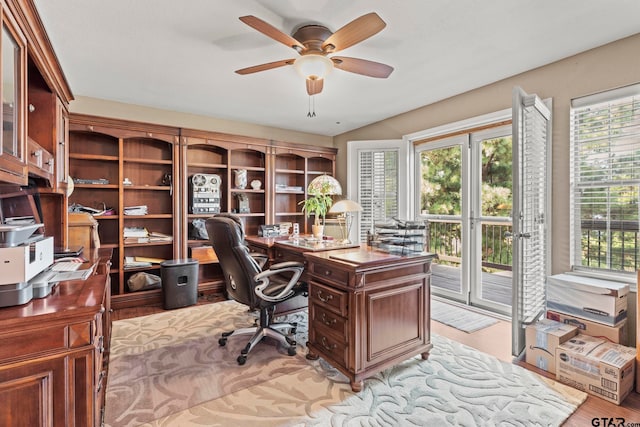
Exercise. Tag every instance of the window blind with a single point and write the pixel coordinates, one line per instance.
(605, 180)
(377, 187)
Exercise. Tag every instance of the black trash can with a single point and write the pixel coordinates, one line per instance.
(179, 282)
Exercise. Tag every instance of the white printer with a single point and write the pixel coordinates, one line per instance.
(22, 257)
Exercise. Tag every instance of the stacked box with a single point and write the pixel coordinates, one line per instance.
(542, 338)
(601, 301)
(596, 366)
(618, 334)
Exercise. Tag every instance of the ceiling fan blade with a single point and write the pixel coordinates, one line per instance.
(272, 32)
(314, 86)
(354, 32)
(362, 66)
(264, 67)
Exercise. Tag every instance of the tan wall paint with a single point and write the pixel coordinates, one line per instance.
(118, 110)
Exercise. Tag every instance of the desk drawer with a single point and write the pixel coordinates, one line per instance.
(332, 299)
(330, 346)
(328, 319)
(330, 274)
(41, 340)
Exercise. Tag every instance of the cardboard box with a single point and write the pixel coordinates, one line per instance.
(618, 334)
(542, 338)
(596, 366)
(602, 301)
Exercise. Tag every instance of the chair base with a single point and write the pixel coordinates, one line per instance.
(274, 330)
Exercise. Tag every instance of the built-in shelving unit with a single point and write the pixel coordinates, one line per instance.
(117, 165)
(293, 169)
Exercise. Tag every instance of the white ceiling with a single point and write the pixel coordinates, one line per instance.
(181, 55)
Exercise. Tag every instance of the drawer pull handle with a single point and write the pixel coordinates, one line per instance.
(327, 272)
(326, 344)
(328, 322)
(328, 298)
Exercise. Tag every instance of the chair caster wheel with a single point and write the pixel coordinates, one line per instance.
(291, 351)
(242, 360)
(222, 342)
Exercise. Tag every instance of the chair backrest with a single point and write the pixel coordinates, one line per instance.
(238, 266)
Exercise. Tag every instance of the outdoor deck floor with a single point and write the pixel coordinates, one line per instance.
(496, 287)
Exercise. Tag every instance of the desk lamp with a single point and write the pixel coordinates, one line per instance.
(345, 208)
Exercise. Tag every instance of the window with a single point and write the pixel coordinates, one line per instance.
(605, 181)
(377, 178)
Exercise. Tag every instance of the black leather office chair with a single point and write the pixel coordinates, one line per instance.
(248, 284)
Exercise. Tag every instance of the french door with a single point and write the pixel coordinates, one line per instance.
(465, 195)
(531, 207)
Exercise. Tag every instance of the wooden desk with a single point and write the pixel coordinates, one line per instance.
(279, 249)
(53, 353)
(368, 310)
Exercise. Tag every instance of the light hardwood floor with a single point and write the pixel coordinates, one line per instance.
(494, 340)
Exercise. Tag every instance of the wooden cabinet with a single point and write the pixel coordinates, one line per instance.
(117, 165)
(368, 310)
(53, 354)
(13, 62)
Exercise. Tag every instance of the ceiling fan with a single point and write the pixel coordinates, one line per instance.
(315, 42)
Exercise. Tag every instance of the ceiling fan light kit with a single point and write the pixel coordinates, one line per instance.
(313, 66)
(314, 42)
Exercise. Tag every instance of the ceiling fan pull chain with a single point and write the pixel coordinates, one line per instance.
(312, 107)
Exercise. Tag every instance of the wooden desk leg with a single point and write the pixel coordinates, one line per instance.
(424, 355)
(356, 386)
(310, 354)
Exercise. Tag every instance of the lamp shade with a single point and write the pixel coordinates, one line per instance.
(313, 66)
(345, 205)
(324, 185)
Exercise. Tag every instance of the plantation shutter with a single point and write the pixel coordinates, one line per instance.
(377, 187)
(531, 208)
(605, 180)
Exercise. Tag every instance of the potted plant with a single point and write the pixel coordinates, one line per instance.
(320, 190)
(318, 205)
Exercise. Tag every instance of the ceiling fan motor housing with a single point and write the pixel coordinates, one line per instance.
(312, 37)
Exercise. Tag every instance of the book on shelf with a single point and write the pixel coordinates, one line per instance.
(130, 262)
(136, 210)
(130, 240)
(156, 236)
(135, 232)
(145, 259)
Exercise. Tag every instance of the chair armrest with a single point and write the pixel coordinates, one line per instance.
(263, 278)
(260, 258)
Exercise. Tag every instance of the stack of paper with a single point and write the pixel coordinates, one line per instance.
(136, 210)
(130, 262)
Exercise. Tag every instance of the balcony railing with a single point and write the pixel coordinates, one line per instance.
(613, 245)
(444, 238)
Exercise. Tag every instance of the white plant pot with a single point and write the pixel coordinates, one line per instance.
(318, 231)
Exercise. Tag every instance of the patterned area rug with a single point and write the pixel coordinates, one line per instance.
(459, 317)
(167, 369)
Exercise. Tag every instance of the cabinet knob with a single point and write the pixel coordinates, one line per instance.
(61, 143)
(36, 153)
(49, 162)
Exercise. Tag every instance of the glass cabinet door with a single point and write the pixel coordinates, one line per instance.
(13, 71)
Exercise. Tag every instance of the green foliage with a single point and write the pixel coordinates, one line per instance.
(318, 205)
